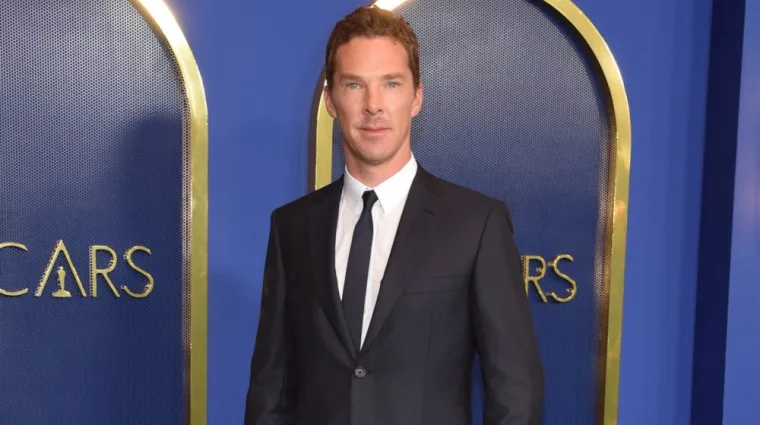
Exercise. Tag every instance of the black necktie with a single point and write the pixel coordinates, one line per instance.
(357, 270)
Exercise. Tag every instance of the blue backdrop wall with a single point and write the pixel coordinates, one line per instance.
(260, 62)
(742, 347)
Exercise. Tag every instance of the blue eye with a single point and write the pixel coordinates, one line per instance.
(392, 84)
(352, 85)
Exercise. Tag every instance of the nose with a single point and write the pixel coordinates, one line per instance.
(373, 102)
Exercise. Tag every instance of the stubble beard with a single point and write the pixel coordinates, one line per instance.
(373, 159)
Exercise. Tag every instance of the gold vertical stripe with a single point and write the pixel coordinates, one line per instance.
(622, 118)
(323, 146)
(162, 20)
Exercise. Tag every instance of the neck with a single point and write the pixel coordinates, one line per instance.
(371, 175)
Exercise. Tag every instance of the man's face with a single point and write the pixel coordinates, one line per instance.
(373, 98)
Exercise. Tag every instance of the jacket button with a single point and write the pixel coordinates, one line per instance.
(360, 372)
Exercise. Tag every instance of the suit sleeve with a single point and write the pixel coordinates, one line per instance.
(512, 371)
(271, 392)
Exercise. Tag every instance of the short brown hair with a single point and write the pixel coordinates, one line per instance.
(373, 22)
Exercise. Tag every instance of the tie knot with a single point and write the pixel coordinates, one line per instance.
(369, 197)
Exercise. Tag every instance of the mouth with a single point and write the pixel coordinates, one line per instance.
(373, 129)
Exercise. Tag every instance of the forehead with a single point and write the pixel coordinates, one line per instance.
(380, 55)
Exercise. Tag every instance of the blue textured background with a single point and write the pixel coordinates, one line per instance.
(91, 153)
(742, 373)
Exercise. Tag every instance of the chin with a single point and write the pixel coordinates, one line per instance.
(371, 153)
(375, 158)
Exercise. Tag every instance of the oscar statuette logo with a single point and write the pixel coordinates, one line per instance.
(69, 276)
(61, 292)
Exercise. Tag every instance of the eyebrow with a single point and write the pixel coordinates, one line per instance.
(386, 77)
(397, 76)
(344, 77)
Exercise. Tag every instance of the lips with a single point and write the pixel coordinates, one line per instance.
(373, 129)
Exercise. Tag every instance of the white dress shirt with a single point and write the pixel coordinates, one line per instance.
(386, 213)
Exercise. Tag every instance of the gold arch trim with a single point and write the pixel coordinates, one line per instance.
(610, 379)
(161, 19)
(321, 175)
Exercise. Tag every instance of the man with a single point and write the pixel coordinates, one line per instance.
(380, 288)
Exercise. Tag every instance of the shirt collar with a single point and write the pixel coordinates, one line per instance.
(390, 194)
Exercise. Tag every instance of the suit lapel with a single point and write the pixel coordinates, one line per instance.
(323, 221)
(416, 224)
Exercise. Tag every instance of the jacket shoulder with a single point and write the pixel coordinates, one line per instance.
(470, 202)
(468, 197)
(299, 208)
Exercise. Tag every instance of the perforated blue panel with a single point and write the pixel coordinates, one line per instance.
(513, 108)
(91, 153)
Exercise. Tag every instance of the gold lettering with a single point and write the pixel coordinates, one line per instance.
(573, 287)
(95, 271)
(23, 248)
(60, 247)
(149, 283)
(534, 279)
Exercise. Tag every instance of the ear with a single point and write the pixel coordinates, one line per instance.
(329, 102)
(418, 96)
